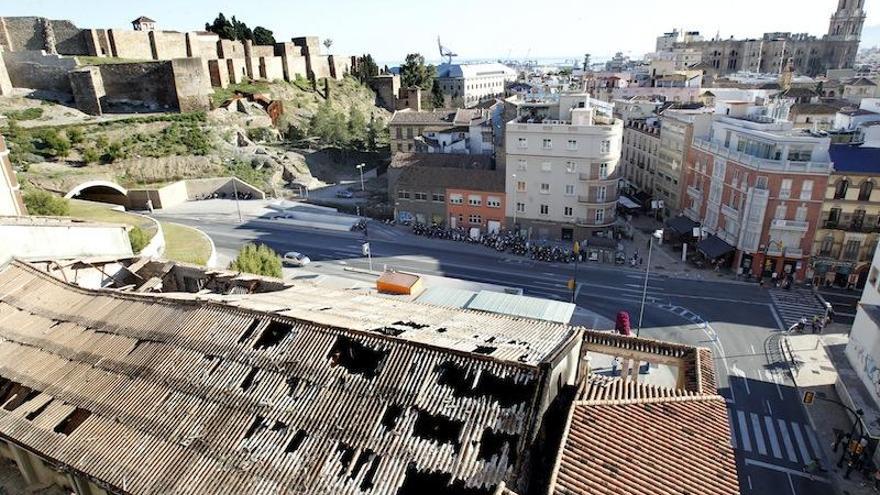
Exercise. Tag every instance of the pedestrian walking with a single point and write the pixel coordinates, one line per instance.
(838, 437)
(814, 325)
(615, 363)
(150, 205)
(761, 282)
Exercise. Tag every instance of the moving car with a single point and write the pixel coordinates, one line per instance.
(293, 258)
(344, 193)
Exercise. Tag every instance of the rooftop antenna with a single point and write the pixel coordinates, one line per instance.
(445, 52)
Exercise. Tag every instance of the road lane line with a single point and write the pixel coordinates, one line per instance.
(774, 440)
(759, 436)
(782, 469)
(805, 454)
(789, 449)
(744, 431)
(752, 347)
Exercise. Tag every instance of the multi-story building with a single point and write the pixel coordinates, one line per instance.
(562, 154)
(466, 85)
(462, 131)
(11, 203)
(809, 54)
(756, 185)
(678, 127)
(638, 158)
(863, 348)
(849, 227)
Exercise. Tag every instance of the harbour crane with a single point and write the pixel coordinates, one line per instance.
(445, 52)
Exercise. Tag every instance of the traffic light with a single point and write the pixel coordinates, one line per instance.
(809, 397)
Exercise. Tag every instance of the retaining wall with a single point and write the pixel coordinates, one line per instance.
(191, 84)
(167, 45)
(147, 84)
(130, 44)
(271, 68)
(37, 70)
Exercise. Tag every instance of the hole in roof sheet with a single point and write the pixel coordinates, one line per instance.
(356, 357)
(249, 381)
(438, 428)
(273, 334)
(72, 421)
(392, 331)
(248, 331)
(256, 425)
(466, 383)
(367, 482)
(296, 442)
(417, 482)
(411, 324)
(278, 426)
(363, 458)
(390, 416)
(36, 412)
(347, 456)
(492, 444)
(23, 395)
(485, 349)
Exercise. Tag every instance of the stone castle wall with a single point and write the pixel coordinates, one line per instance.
(37, 70)
(130, 44)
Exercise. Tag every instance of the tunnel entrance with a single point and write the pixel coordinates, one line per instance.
(100, 191)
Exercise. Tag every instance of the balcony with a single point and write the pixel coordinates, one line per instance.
(729, 212)
(831, 224)
(795, 253)
(761, 163)
(695, 193)
(795, 225)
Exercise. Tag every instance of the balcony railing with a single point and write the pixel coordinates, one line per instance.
(790, 225)
(730, 212)
(761, 163)
(787, 252)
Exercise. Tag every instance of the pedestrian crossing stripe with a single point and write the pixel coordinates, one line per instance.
(759, 434)
(792, 305)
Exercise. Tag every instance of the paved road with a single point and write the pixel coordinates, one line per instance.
(740, 322)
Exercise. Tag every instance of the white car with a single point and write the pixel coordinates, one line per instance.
(295, 259)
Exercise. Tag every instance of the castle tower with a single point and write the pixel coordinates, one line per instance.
(844, 34)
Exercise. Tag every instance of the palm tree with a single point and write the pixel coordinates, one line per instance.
(327, 44)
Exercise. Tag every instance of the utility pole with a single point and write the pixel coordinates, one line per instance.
(647, 273)
(577, 254)
(237, 204)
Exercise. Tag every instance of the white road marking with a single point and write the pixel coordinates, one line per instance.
(777, 318)
(805, 454)
(752, 347)
(769, 409)
(744, 430)
(789, 449)
(750, 482)
(774, 440)
(759, 436)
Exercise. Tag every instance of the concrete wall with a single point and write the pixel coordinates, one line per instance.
(69, 39)
(236, 69)
(130, 44)
(63, 239)
(37, 70)
(258, 51)
(167, 45)
(271, 68)
(218, 72)
(191, 84)
(147, 84)
(164, 197)
(88, 89)
(230, 49)
(201, 187)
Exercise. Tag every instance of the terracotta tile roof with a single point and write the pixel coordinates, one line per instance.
(322, 393)
(658, 447)
(605, 388)
(412, 117)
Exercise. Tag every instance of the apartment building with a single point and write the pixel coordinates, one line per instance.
(466, 85)
(638, 163)
(562, 155)
(678, 127)
(756, 186)
(849, 227)
(863, 348)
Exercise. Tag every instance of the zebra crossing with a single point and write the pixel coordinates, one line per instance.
(762, 435)
(794, 304)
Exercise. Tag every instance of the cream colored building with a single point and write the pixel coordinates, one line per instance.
(677, 130)
(849, 228)
(562, 166)
(465, 85)
(641, 145)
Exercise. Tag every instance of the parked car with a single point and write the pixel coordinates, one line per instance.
(344, 193)
(295, 259)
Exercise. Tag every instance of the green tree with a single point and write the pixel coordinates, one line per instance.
(221, 27)
(357, 126)
(75, 135)
(138, 239)
(437, 99)
(414, 72)
(41, 202)
(91, 155)
(259, 260)
(55, 144)
(242, 32)
(366, 69)
(263, 36)
(329, 126)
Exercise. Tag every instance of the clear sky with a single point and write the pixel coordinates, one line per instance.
(475, 29)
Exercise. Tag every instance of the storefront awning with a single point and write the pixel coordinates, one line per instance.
(627, 203)
(682, 225)
(713, 247)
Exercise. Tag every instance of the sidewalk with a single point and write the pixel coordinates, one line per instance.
(821, 366)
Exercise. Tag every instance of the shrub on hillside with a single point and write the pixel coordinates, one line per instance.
(259, 260)
(138, 239)
(45, 203)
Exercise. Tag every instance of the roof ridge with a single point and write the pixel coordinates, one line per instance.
(696, 397)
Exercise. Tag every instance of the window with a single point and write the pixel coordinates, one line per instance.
(420, 196)
(547, 144)
(865, 190)
(840, 191)
(600, 216)
(762, 182)
(851, 250)
(781, 212)
(807, 189)
(785, 189)
(475, 219)
(520, 186)
(456, 199)
(827, 246)
(833, 218)
(521, 207)
(603, 170)
(858, 220)
(545, 188)
(546, 167)
(409, 132)
(570, 167)
(601, 193)
(545, 209)
(522, 165)
(475, 200)
(493, 202)
(402, 194)
(801, 214)
(438, 197)
(523, 143)
(572, 144)
(605, 147)
(567, 211)
(569, 189)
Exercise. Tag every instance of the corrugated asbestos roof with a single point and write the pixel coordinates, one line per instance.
(147, 394)
(500, 303)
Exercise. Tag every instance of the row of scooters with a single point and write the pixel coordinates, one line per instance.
(503, 241)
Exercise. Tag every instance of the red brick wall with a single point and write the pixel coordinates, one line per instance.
(464, 210)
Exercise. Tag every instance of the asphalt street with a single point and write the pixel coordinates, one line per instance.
(740, 322)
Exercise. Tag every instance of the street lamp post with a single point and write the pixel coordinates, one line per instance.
(514, 200)
(657, 234)
(361, 168)
(237, 204)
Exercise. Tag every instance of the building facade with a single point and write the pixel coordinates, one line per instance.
(466, 85)
(461, 131)
(863, 348)
(639, 156)
(11, 202)
(678, 127)
(810, 54)
(757, 185)
(562, 155)
(849, 227)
